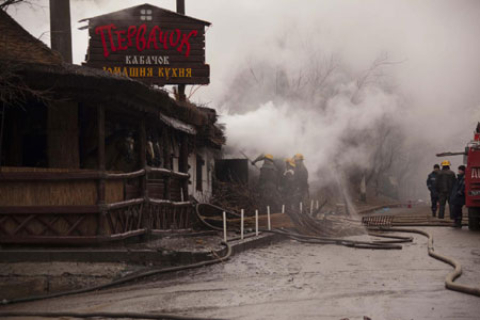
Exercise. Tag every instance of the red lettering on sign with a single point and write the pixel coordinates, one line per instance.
(121, 39)
(141, 43)
(144, 39)
(130, 34)
(100, 30)
(174, 43)
(186, 42)
(152, 38)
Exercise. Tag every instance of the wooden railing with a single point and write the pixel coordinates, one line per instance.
(101, 221)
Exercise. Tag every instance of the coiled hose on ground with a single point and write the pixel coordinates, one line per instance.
(389, 244)
(450, 278)
(108, 285)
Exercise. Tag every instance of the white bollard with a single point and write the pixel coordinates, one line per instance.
(224, 226)
(311, 207)
(241, 224)
(283, 208)
(268, 218)
(256, 223)
(301, 207)
(317, 205)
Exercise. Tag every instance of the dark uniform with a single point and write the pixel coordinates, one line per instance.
(431, 181)
(444, 185)
(288, 187)
(268, 182)
(301, 182)
(457, 199)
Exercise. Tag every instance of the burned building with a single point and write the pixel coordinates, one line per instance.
(89, 156)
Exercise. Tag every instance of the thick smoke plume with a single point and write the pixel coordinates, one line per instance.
(339, 120)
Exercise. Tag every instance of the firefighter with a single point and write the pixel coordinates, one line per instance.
(288, 186)
(443, 186)
(268, 180)
(301, 178)
(457, 197)
(432, 178)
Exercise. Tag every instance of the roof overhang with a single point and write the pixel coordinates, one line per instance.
(178, 124)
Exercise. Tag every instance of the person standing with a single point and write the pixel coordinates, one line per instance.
(268, 180)
(288, 186)
(443, 186)
(301, 178)
(457, 197)
(431, 181)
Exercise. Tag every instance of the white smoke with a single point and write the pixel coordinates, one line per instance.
(286, 129)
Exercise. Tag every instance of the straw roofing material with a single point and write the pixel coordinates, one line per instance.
(19, 45)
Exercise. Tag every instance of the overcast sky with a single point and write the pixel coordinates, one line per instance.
(436, 41)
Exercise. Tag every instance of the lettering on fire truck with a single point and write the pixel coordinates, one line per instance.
(475, 173)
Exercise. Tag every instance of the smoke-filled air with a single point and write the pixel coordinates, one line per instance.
(363, 88)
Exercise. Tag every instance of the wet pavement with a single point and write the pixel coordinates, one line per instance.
(289, 280)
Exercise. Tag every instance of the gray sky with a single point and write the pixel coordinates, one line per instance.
(437, 39)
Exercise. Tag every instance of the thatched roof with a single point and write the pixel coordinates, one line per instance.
(19, 45)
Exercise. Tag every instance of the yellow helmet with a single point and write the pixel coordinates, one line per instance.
(446, 163)
(290, 162)
(298, 156)
(268, 156)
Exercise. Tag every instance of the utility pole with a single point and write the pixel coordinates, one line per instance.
(181, 87)
(60, 29)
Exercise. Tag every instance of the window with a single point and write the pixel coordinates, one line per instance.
(146, 15)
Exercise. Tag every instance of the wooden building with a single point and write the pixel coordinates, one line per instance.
(88, 156)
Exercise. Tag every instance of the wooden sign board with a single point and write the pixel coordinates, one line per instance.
(150, 44)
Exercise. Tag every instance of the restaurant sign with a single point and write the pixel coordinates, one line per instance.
(149, 44)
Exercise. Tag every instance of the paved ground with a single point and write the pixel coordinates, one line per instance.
(291, 280)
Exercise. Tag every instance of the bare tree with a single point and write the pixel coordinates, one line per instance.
(4, 4)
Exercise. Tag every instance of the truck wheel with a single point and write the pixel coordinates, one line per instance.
(474, 219)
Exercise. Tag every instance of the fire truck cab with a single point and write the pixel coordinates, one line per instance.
(472, 181)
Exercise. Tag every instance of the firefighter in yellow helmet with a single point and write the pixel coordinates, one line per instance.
(300, 179)
(268, 180)
(443, 185)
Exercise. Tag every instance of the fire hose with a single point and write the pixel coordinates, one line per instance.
(450, 278)
(108, 285)
(386, 245)
(389, 244)
(312, 239)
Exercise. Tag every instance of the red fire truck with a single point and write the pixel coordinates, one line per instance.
(472, 179)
